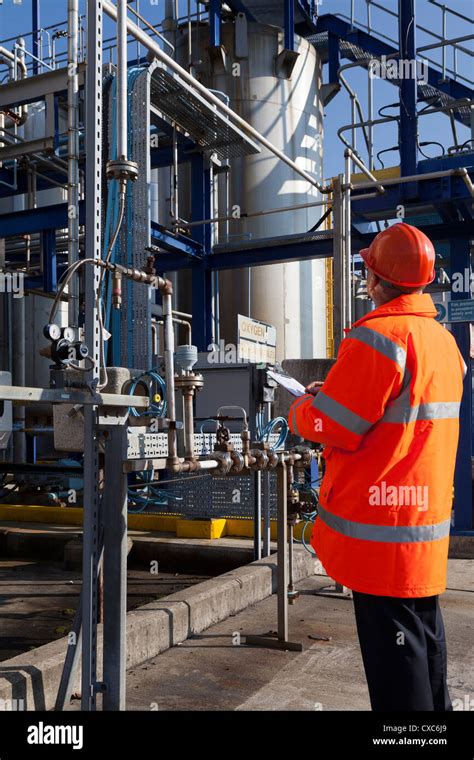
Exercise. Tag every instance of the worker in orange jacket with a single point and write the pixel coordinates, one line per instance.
(388, 414)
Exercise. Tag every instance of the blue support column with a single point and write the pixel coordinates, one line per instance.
(48, 249)
(35, 25)
(408, 130)
(333, 57)
(289, 24)
(215, 23)
(201, 275)
(460, 261)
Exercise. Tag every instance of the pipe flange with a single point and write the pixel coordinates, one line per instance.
(224, 462)
(306, 456)
(261, 459)
(272, 459)
(190, 382)
(122, 169)
(238, 462)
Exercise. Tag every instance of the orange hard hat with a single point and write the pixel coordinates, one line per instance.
(402, 255)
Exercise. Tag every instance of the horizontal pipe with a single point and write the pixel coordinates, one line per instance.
(420, 177)
(257, 213)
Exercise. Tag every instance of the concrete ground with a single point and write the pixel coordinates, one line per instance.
(213, 672)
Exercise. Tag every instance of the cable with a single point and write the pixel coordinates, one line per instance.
(265, 431)
(156, 409)
(431, 142)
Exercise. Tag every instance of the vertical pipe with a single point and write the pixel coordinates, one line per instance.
(282, 550)
(338, 263)
(73, 158)
(188, 416)
(122, 79)
(266, 497)
(19, 370)
(169, 373)
(174, 177)
(370, 97)
(257, 525)
(347, 244)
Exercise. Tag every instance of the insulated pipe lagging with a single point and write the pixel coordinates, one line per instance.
(122, 79)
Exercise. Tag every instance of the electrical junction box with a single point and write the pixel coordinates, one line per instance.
(6, 416)
(230, 384)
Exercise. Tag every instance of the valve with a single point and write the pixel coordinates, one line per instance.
(64, 349)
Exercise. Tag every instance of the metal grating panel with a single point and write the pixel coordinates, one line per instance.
(274, 242)
(180, 103)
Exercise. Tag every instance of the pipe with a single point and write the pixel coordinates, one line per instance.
(111, 10)
(461, 172)
(252, 214)
(169, 376)
(356, 104)
(122, 135)
(16, 63)
(348, 153)
(188, 416)
(150, 27)
(347, 240)
(73, 158)
(174, 203)
(19, 373)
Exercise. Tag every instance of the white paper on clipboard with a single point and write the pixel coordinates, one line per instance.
(289, 383)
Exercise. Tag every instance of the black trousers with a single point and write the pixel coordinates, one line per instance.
(403, 647)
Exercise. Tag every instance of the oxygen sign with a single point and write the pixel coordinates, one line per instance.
(256, 341)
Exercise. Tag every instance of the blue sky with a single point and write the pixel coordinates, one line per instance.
(15, 19)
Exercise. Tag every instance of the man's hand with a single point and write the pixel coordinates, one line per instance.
(314, 387)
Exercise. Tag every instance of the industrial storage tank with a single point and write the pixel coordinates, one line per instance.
(288, 111)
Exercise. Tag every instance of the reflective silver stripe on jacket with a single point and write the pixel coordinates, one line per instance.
(293, 415)
(380, 343)
(387, 534)
(435, 410)
(341, 414)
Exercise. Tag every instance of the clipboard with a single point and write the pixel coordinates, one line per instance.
(289, 383)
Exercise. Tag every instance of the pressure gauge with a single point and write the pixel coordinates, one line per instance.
(51, 331)
(68, 334)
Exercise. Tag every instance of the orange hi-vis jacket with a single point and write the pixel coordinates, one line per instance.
(388, 413)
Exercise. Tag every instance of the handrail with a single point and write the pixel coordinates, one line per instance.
(451, 10)
(418, 26)
(456, 75)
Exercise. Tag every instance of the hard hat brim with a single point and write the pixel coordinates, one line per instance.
(365, 254)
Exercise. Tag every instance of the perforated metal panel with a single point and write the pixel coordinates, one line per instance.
(209, 496)
(135, 336)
